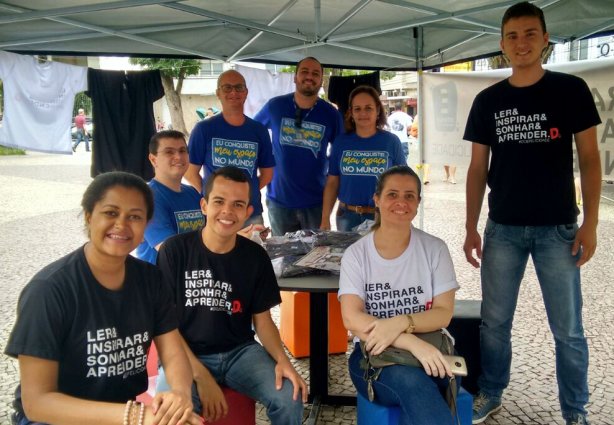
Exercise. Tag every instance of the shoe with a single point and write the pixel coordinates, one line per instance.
(74, 149)
(445, 180)
(578, 419)
(483, 407)
(452, 180)
(426, 182)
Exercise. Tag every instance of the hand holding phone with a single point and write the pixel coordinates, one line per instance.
(457, 365)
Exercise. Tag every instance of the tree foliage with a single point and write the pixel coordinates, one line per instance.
(173, 73)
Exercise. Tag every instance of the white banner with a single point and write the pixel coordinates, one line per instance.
(448, 98)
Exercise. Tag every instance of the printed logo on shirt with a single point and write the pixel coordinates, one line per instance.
(308, 136)
(396, 125)
(203, 290)
(383, 301)
(363, 163)
(189, 220)
(236, 153)
(110, 355)
(511, 126)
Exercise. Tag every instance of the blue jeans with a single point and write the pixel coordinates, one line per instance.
(248, 369)
(504, 259)
(80, 136)
(285, 220)
(347, 220)
(418, 395)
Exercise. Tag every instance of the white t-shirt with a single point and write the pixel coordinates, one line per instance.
(263, 86)
(38, 102)
(404, 285)
(398, 123)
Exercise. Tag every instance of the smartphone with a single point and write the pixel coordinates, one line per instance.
(457, 365)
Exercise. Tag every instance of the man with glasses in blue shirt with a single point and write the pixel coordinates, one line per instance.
(302, 126)
(232, 139)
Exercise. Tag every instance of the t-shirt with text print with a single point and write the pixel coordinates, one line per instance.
(403, 285)
(216, 295)
(530, 134)
(359, 161)
(99, 338)
(215, 144)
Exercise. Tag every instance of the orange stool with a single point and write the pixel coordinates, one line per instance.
(294, 324)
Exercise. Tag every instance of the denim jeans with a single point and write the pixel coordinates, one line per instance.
(347, 220)
(418, 395)
(285, 220)
(504, 259)
(80, 136)
(248, 369)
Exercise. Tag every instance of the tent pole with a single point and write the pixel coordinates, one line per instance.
(418, 37)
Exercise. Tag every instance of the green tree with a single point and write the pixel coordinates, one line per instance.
(173, 72)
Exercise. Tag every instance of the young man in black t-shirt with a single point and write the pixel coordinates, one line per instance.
(529, 126)
(221, 284)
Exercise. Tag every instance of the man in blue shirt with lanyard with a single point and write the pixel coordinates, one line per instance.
(302, 126)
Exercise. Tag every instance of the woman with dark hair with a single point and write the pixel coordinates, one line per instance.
(360, 155)
(396, 282)
(86, 321)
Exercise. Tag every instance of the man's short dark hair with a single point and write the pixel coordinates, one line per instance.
(231, 173)
(298, 65)
(520, 10)
(154, 142)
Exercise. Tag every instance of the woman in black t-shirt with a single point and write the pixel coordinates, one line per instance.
(85, 323)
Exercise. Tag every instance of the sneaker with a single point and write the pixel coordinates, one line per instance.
(452, 180)
(578, 419)
(484, 406)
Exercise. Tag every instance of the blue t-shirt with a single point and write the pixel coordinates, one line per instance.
(359, 161)
(300, 153)
(215, 144)
(174, 212)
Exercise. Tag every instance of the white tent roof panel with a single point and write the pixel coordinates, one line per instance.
(347, 33)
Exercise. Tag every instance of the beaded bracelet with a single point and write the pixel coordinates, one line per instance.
(127, 412)
(134, 415)
(142, 414)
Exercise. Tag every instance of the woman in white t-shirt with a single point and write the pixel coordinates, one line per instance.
(395, 282)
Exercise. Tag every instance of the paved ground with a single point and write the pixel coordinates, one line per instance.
(40, 221)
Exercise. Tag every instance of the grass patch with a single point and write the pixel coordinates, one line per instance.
(11, 151)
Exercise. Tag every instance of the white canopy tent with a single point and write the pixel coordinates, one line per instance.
(366, 34)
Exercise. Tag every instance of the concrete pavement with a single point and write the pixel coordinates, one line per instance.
(40, 221)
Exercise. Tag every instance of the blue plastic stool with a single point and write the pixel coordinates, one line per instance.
(374, 414)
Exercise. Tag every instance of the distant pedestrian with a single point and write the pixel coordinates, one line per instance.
(82, 133)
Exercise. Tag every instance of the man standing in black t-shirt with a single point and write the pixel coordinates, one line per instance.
(529, 126)
(221, 285)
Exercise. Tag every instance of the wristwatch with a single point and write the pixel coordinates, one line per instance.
(410, 329)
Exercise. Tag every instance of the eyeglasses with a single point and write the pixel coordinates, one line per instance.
(227, 88)
(298, 118)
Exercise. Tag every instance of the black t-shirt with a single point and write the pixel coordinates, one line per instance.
(339, 88)
(530, 134)
(123, 119)
(100, 338)
(217, 294)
